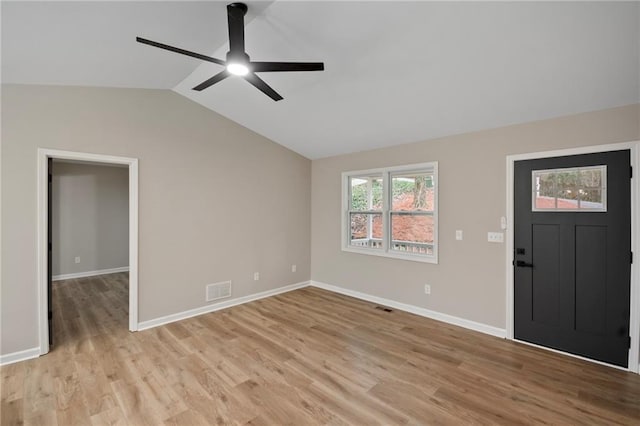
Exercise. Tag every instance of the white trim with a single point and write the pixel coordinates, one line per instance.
(438, 316)
(132, 163)
(385, 173)
(19, 356)
(89, 273)
(133, 245)
(144, 325)
(392, 254)
(634, 316)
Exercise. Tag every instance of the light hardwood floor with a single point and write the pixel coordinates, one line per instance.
(304, 357)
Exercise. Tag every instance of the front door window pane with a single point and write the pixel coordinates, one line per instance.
(570, 189)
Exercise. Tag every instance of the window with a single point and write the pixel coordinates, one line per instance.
(576, 189)
(365, 211)
(392, 212)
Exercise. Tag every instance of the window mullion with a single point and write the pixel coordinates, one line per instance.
(370, 207)
(349, 209)
(386, 208)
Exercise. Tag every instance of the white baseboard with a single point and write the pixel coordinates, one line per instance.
(89, 273)
(19, 356)
(218, 306)
(450, 319)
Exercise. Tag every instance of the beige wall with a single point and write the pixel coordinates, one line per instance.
(220, 202)
(217, 201)
(469, 281)
(90, 216)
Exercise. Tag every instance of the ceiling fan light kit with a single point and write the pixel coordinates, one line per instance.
(238, 62)
(237, 68)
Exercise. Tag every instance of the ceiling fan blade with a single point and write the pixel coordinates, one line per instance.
(180, 51)
(286, 66)
(213, 80)
(262, 86)
(235, 20)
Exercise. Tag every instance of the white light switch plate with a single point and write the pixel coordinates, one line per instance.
(459, 235)
(495, 237)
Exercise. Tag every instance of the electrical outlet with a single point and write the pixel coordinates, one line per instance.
(256, 276)
(495, 237)
(77, 259)
(459, 235)
(294, 268)
(427, 289)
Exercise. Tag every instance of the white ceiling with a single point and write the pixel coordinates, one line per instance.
(395, 72)
(93, 43)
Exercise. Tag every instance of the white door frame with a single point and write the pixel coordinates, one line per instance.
(132, 164)
(634, 316)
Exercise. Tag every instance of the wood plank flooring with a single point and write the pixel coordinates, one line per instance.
(305, 357)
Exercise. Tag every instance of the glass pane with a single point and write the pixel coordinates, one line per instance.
(412, 233)
(412, 191)
(566, 179)
(366, 230)
(366, 193)
(567, 198)
(570, 189)
(544, 203)
(591, 199)
(591, 177)
(545, 184)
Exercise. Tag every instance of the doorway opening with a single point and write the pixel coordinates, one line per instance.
(89, 228)
(83, 258)
(535, 212)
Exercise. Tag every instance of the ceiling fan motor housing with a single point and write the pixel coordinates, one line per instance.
(237, 9)
(237, 57)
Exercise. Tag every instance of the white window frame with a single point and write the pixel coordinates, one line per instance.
(386, 251)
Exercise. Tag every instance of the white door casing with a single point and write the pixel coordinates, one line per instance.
(132, 164)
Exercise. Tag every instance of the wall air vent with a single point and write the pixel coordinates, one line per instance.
(218, 290)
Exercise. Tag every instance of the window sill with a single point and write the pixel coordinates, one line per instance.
(393, 255)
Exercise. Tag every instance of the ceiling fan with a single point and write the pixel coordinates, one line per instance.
(238, 62)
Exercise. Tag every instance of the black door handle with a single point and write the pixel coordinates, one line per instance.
(523, 264)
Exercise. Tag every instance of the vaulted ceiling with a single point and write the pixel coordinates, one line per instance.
(395, 72)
